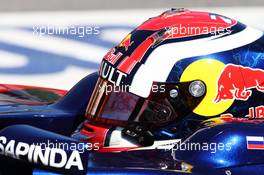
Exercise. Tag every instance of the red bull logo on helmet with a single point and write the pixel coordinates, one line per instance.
(126, 42)
(113, 56)
(236, 83)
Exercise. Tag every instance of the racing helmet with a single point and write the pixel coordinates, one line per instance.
(176, 70)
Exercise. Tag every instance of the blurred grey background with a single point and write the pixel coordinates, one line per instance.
(60, 60)
(43, 5)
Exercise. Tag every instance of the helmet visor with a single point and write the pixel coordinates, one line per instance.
(111, 105)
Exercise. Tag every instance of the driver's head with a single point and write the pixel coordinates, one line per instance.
(171, 70)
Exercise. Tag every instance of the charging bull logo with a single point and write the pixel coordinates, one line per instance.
(236, 83)
(126, 42)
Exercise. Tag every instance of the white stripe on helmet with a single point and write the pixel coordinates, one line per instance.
(161, 61)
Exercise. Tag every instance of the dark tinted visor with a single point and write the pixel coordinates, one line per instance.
(110, 105)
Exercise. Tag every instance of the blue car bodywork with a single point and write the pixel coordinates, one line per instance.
(57, 121)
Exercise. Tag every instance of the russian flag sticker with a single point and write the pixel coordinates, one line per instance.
(255, 142)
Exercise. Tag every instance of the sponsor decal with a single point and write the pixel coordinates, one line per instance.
(126, 42)
(113, 75)
(112, 57)
(236, 82)
(256, 112)
(52, 157)
(129, 62)
(255, 142)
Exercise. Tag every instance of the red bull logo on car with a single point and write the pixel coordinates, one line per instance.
(236, 83)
